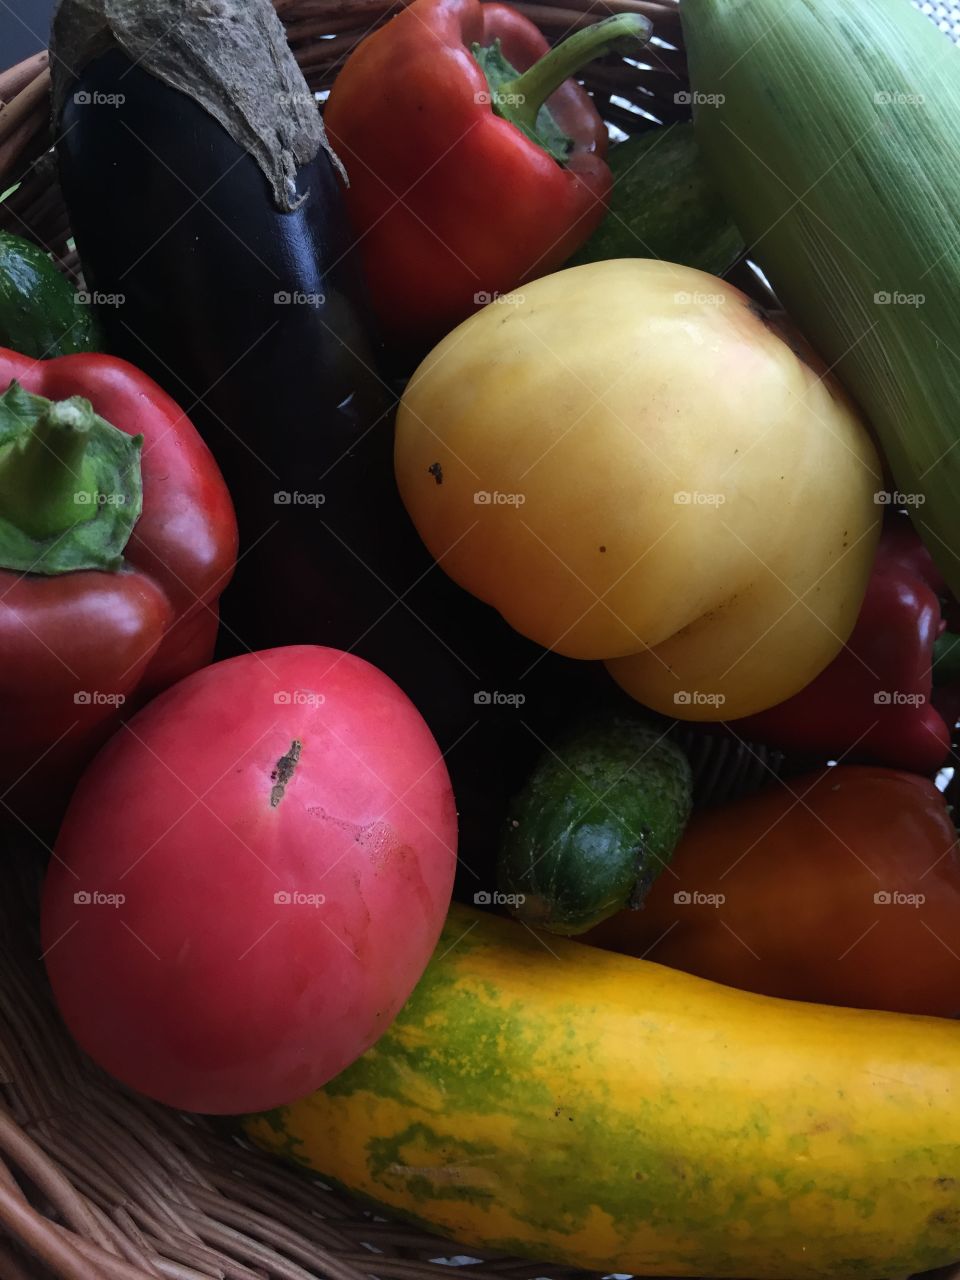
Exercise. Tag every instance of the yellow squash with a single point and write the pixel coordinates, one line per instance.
(554, 1100)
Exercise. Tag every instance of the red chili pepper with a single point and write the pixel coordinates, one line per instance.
(876, 700)
(462, 184)
(117, 535)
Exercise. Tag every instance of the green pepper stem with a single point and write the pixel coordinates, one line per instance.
(531, 89)
(946, 658)
(45, 482)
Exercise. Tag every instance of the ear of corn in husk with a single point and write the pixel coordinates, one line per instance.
(833, 127)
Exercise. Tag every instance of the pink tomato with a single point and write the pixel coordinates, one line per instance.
(250, 879)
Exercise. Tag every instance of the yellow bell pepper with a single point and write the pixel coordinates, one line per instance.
(629, 462)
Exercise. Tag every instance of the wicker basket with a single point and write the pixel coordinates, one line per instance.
(99, 1184)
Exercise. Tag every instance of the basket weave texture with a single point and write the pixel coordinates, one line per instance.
(99, 1184)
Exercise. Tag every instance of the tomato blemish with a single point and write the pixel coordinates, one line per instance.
(284, 770)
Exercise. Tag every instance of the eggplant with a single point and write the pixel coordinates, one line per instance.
(251, 317)
(236, 286)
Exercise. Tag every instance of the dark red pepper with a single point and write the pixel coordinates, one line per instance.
(462, 184)
(117, 535)
(877, 700)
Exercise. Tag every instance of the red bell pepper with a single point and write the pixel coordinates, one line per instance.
(117, 535)
(462, 183)
(876, 700)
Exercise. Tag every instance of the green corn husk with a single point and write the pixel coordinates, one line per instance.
(833, 127)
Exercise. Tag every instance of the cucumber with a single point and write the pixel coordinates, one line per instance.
(39, 313)
(596, 822)
(664, 204)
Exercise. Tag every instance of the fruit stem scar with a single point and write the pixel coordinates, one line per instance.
(284, 770)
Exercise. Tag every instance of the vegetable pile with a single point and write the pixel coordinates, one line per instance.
(425, 536)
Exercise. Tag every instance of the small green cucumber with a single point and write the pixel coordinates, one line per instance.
(665, 205)
(594, 825)
(40, 315)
